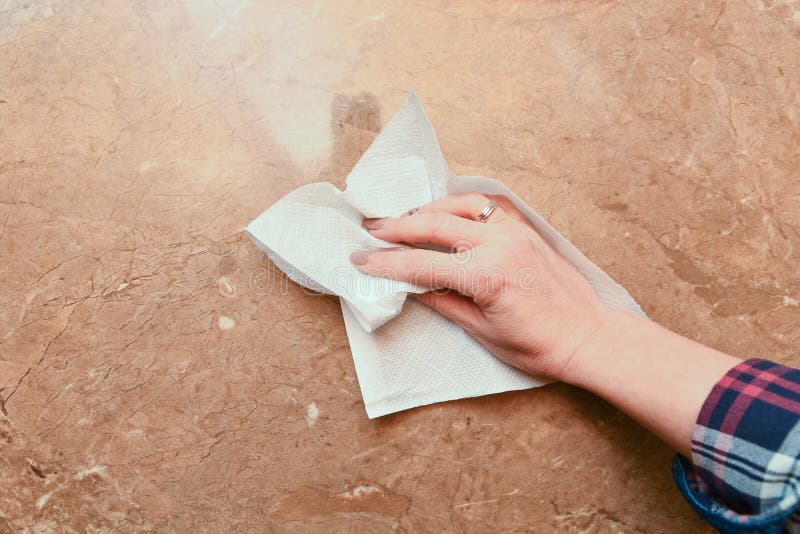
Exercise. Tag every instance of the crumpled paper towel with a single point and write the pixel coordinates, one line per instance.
(418, 357)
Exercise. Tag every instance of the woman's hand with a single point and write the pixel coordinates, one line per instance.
(504, 284)
(530, 307)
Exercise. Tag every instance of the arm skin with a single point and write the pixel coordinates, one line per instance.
(656, 376)
(552, 323)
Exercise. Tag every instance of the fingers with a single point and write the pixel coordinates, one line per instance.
(436, 228)
(417, 266)
(458, 308)
(470, 205)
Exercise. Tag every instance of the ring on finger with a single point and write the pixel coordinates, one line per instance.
(484, 215)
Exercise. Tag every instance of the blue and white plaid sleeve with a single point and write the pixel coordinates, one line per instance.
(745, 469)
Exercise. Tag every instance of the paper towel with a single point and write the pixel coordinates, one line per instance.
(418, 357)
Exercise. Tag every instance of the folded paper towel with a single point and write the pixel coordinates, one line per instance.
(418, 357)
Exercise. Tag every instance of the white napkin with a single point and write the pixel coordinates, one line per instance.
(419, 357)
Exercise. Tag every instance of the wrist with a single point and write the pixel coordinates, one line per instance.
(658, 377)
(610, 337)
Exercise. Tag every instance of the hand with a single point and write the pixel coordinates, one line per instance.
(504, 284)
(530, 307)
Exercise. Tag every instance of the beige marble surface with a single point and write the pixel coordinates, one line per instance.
(157, 375)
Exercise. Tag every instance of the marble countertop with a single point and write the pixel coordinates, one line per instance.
(158, 374)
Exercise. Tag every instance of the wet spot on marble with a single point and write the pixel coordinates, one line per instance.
(355, 121)
(360, 111)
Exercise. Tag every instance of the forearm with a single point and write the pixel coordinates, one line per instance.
(659, 378)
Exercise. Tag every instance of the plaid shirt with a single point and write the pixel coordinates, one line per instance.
(745, 469)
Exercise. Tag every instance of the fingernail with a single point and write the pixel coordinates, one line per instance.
(360, 257)
(373, 224)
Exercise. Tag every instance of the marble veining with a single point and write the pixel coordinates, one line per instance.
(157, 373)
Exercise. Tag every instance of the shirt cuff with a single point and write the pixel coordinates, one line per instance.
(745, 474)
(698, 495)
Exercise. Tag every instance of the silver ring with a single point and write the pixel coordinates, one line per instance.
(484, 215)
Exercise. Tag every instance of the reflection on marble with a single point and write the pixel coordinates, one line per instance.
(158, 374)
